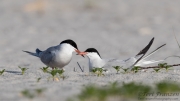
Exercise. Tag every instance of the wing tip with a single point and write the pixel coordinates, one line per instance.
(143, 51)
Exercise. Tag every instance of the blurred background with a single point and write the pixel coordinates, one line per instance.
(117, 28)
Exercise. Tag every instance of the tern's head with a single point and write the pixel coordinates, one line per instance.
(70, 44)
(91, 53)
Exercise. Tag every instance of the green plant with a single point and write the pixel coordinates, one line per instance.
(54, 73)
(164, 65)
(126, 92)
(38, 79)
(39, 91)
(60, 72)
(125, 69)
(23, 70)
(32, 93)
(113, 90)
(135, 69)
(131, 90)
(156, 70)
(117, 68)
(98, 71)
(1, 72)
(26, 93)
(45, 69)
(167, 86)
(167, 68)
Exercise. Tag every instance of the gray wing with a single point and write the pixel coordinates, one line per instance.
(48, 56)
(123, 63)
(132, 61)
(144, 62)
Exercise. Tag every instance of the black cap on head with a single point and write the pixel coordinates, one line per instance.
(71, 42)
(92, 50)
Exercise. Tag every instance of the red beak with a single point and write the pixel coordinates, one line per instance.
(82, 53)
(79, 52)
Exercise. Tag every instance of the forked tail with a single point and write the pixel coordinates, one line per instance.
(34, 54)
(142, 61)
(143, 52)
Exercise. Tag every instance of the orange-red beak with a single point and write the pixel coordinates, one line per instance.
(79, 52)
(82, 53)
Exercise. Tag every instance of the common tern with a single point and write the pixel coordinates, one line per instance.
(95, 59)
(57, 56)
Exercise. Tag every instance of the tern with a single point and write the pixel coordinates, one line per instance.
(57, 56)
(95, 60)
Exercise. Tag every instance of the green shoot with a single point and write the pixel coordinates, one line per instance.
(60, 72)
(54, 73)
(130, 90)
(156, 70)
(23, 70)
(127, 92)
(125, 69)
(39, 91)
(26, 93)
(44, 69)
(32, 93)
(38, 79)
(1, 72)
(117, 68)
(164, 65)
(98, 71)
(167, 86)
(135, 69)
(167, 68)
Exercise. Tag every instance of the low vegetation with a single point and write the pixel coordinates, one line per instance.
(56, 74)
(23, 70)
(32, 93)
(124, 92)
(98, 71)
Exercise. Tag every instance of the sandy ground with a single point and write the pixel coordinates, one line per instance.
(117, 28)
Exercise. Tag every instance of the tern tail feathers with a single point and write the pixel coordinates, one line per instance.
(34, 54)
(143, 51)
(38, 51)
(144, 62)
(153, 51)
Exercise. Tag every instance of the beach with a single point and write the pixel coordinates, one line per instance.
(116, 28)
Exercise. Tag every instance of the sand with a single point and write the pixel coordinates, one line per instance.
(116, 28)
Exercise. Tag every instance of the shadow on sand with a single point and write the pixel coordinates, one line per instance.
(14, 72)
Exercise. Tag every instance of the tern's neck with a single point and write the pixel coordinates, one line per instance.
(66, 48)
(95, 61)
